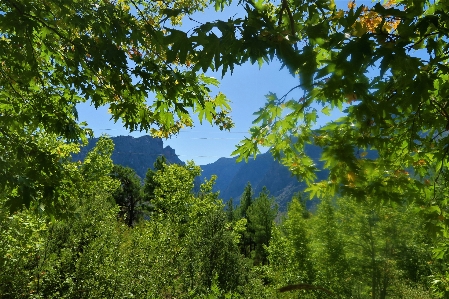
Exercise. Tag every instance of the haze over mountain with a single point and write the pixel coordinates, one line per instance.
(140, 154)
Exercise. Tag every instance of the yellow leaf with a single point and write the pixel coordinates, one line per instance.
(351, 4)
(339, 14)
(351, 176)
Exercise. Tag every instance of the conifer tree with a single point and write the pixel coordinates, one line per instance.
(128, 196)
(261, 214)
(247, 240)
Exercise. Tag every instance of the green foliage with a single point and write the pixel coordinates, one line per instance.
(36, 169)
(129, 195)
(149, 184)
(20, 242)
(185, 250)
(350, 250)
(289, 252)
(385, 66)
(173, 195)
(188, 249)
(230, 210)
(82, 254)
(245, 200)
(247, 239)
(366, 61)
(54, 66)
(38, 254)
(385, 246)
(116, 54)
(329, 254)
(261, 214)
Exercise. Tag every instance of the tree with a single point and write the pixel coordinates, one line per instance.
(149, 183)
(129, 195)
(385, 65)
(261, 214)
(230, 210)
(185, 253)
(190, 246)
(289, 252)
(55, 55)
(247, 244)
(362, 60)
(328, 248)
(40, 255)
(246, 200)
(173, 196)
(384, 246)
(334, 52)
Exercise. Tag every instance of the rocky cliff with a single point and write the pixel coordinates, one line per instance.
(137, 153)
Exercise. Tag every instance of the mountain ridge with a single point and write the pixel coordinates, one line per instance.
(140, 154)
(262, 171)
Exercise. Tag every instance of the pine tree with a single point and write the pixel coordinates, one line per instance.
(261, 214)
(128, 196)
(230, 211)
(247, 240)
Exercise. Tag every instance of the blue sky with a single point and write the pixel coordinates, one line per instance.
(246, 88)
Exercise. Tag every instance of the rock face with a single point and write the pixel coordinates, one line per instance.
(137, 153)
(263, 171)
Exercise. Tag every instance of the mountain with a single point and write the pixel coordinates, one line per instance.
(262, 171)
(138, 153)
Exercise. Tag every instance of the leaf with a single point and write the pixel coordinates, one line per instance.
(326, 111)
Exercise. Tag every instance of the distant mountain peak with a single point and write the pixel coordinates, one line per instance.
(139, 153)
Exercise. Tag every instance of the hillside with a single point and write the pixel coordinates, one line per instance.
(263, 171)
